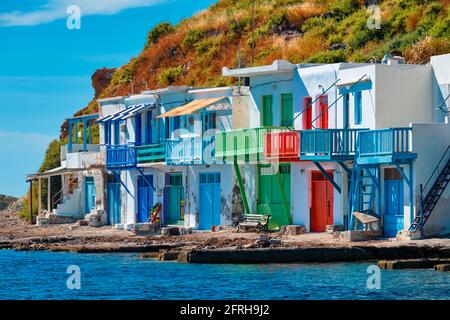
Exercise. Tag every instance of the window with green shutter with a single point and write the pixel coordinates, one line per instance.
(286, 109)
(266, 111)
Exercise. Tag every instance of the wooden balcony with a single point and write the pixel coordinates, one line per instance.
(193, 150)
(385, 146)
(120, 157)
(282, 146)
(245, 144)
(151, 153)
(328, 144)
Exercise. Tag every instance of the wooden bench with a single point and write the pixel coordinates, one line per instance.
(260, 222)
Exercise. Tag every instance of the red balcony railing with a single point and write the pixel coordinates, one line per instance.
(282, 146)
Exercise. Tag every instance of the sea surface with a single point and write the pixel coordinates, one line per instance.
(43, 275)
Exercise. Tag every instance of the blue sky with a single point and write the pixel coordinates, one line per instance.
(45, 68)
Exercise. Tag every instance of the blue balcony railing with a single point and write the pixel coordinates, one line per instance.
(328, 144)
(385, 146)
(120, 156)
(193, 150)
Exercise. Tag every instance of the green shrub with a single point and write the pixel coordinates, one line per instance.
(328, 57)
(158, 31)
(169, 76)
(343, 8)
(52, 160)
(277, 22)
(193, 37)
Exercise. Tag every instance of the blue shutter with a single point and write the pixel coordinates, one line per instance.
(138, 133)
(358, 107)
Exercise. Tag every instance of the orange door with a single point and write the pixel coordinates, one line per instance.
(322, 202)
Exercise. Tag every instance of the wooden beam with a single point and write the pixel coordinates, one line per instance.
(286, 208)
(241, 187)
(49, 195)
(31, 201)
(329, 178)
(39, 196)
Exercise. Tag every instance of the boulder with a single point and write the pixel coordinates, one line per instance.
(408, 235)
(146, 229)
(293, 230)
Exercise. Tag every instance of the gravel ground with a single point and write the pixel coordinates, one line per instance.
(17, 234)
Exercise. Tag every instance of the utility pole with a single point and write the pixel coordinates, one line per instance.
(253, 32)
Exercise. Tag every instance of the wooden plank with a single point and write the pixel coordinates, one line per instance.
(365, 218)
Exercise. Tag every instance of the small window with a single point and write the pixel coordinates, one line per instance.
(175, 180)
(107, 128)
(286, 109)
(138, 133)
(358, 107)
(117, 132)
(209, 177)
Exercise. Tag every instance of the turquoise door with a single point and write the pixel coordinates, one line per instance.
(174, 199)
(114, 202)
(145, 197)
(393, 217)
(89, 194)
(209, 191)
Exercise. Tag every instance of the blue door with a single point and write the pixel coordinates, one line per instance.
(89, 194)
(209, 190)
(145, 197)
(393, 217)
(114, 202)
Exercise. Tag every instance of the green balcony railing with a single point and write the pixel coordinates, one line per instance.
(151, 153)
(243, 142)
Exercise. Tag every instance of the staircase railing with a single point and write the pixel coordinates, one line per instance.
(312, 102)
(337, 99)
(441, 106)
(57, 197)
(423, 188)
(436, 169)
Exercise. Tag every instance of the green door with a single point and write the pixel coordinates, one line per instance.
(286, 109)
(274, 195)
(266, 111)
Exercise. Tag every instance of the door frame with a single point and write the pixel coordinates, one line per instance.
(88, 180)
(213, 179)
(328, 186)
(140, 179)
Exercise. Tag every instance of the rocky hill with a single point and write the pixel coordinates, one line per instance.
(6, 201)
(194, 51)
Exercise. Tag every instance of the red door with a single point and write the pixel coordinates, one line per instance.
(322, 202)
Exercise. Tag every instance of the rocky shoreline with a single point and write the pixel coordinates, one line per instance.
(226, 246)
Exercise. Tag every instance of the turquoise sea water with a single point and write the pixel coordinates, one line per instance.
(42, 275)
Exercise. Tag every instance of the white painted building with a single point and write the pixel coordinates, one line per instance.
(352, 97)
(168, 167)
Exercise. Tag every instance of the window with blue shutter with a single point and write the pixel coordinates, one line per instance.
(358, 107)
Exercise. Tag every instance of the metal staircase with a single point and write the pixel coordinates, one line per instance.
(428, 203)
(363, 189)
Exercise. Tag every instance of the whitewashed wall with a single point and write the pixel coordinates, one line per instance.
(441, 84)
(192, 210)
(403, 95)
(429, 142)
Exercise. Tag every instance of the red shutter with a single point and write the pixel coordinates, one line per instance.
(307, 113)
(318, 112)
(324, 111)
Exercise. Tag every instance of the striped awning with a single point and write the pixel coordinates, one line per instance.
(191, 107)
(127, 113)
